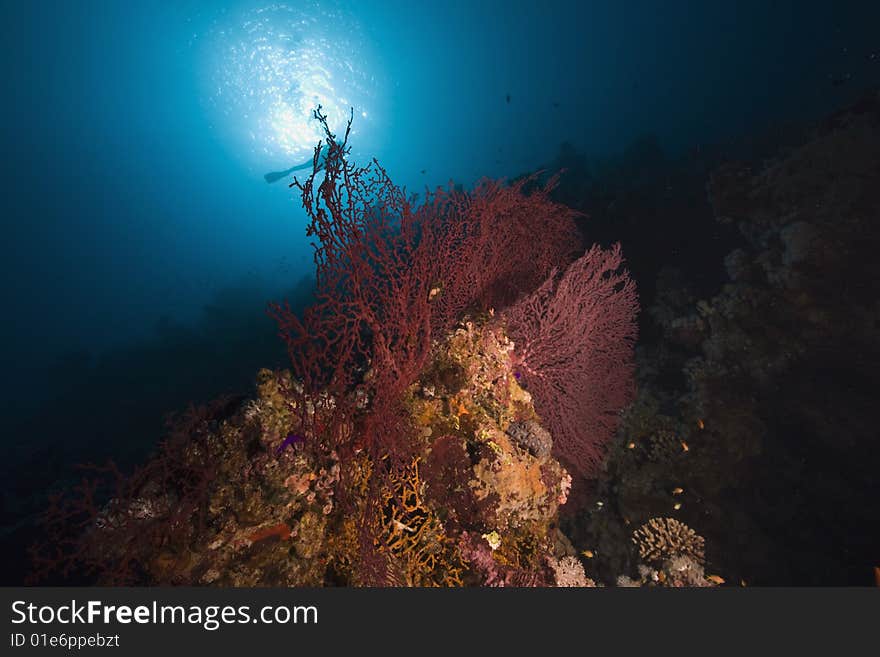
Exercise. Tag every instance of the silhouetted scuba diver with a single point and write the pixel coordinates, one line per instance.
(275, 176)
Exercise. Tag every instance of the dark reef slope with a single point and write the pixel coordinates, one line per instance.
(757, 407)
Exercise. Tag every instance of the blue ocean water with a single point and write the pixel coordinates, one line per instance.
(136, 134)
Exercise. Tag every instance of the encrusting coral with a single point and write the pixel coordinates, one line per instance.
(477, 505)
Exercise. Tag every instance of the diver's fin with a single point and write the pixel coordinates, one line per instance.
(275, 176)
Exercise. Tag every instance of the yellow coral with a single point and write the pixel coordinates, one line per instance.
(413, 536)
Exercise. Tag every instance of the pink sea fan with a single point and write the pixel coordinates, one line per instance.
(574, 350)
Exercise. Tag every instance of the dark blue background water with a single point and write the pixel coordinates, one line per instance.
(141, 243)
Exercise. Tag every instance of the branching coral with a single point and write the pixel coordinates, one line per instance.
(664, 538)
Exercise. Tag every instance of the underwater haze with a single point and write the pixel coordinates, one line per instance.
(144, 236)
(137, 134)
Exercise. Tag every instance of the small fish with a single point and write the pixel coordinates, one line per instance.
(701, 424)
(600, 504)
(678, 490)
(507, 97)
(715, 579)
(631, 445)
(291, 439)
(742, 582)
(423, 171)
(684, 446)
(676, 506)
(588, 554)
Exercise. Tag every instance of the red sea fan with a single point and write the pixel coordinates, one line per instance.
(574, 350)
(392, 275)
(504, 243)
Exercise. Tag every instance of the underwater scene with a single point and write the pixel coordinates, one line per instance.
(449, 294)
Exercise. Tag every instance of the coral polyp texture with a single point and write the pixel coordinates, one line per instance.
(400, 448)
